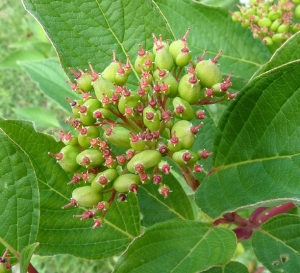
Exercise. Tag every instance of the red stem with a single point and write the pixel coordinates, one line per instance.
(273, 212)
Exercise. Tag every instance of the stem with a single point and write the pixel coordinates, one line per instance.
(233, 217)
(178, 74)
(190, 178)
(256, 213)
(273, 212)
(10, 248)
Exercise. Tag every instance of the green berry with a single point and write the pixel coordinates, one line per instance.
(264, 22)
(164, 76)
(90, 158)
(118, 136)
(189, 88)
(86, 111)
(163, 59)
(208, 72)
(103, 178)
(83, 80)
(136, 142)
(86, 196)
(183, 109)
(185, 157)
(275, 25)
(67, 158)
(131, 99)
(275, 14)
(145, 159)
(85, 134)
(124, 182)
(283, 28)
(268, 41)
(184, 134)
(151, 118)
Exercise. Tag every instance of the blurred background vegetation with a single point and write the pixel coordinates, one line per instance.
(22, 39)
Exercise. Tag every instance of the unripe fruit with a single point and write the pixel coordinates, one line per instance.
(175, 48)
(85, 134)
(137, 143)
(142, 58)
(118, 136)
(283, 28)
(103, 86)
(4, 269)
(189, 88)
(183, 132)
(219, 89)
(83, 80)
(151, 118)
(275, 14)
(164, 167)
(86, 111)
(184, 57)
(185, 157)
(67, 158)
(163, 59)
(86, 196)
(110, 71)
(183, 109)
(164, 190)
(174, 144)
(103, 178)
(279, 37)
(245, 23)
(131, 100)
(275, 25)
(75, 106)
(90, 158)
(164, 76)
(101, 113)
(236, 16)
(208, 72)
(264, 22)
(148, 159)
(268, 41)
(123, 183)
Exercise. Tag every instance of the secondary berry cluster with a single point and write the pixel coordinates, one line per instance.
(270, 22)
(124, 138)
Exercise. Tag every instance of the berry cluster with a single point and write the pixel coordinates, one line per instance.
(271, 23)
(126, 138)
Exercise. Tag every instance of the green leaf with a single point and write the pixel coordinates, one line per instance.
(256, 154)
(231, 267)
(50, 77)
(228, 4)
(41, 116)
(11, 61)
(277, 244)
(88, 31)
(34, 192)
(155, 208)
(19, 207)
(26, 255)
(288, 52)
(178, 246)
(213, 29)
